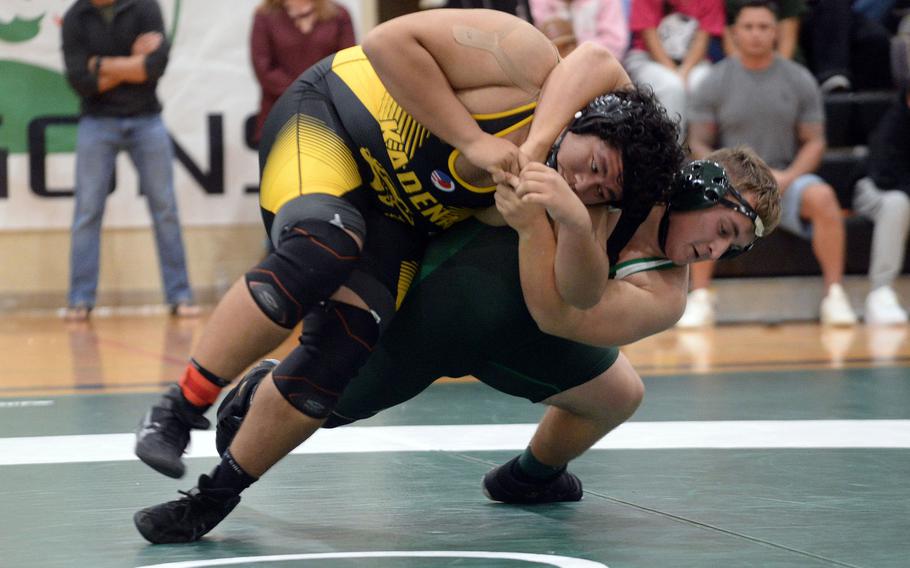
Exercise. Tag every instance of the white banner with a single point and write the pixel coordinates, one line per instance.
(208, 91)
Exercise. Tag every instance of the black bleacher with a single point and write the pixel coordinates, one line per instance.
(850, 118)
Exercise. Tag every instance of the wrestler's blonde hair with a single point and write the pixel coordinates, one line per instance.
(750, 175)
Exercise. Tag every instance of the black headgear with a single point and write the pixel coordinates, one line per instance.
(703, 184)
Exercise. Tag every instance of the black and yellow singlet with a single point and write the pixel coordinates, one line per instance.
(337, 131)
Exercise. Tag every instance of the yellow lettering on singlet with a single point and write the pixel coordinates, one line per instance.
(421, 199)
(384, 187)
(399, 158)
(445, 218)
(306, 157)
(410, 182)
(390, 131)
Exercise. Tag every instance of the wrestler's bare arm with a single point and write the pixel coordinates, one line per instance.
(580, 266)
(589, 71)
(638, 306)
(586, 73)
(629, 310)
(428, 60)
(582, 269)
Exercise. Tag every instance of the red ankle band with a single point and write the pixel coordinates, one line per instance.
(197, 389)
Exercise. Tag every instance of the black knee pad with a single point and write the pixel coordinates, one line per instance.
(336, 341)
(312, 260)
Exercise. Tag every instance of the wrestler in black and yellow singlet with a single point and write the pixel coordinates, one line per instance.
(338, 131)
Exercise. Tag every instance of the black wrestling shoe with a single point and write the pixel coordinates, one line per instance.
(164, 432)
(501, 484)
(236, 404)
(189, 518)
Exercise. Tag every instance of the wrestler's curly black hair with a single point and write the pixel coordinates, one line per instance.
(633, 121)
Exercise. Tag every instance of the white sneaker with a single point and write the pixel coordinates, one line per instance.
(835, 308)
(835, 83)
(699, 310)
(883, 308)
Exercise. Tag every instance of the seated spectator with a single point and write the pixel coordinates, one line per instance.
(600, 21)
(845, 49)
(740, 102)
(515, 7)
(882, 196)
(670, 45)
(559, 30)
(789, 14)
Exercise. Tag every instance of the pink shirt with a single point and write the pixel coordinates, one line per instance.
(647, 14)
(599, 21)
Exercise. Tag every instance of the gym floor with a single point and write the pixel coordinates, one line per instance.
(782, 446)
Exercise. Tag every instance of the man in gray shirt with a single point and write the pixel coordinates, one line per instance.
(762, 100)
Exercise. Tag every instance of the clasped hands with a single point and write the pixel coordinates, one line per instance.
(525, 189)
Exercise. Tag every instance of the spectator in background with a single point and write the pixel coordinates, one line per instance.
(789, 14)
(882, 196)
(760, 99)
(114, 54)
(670, 45)
(559, 30)
(600, 21)
(288, 37)
(518, 8)
(876, 10)
(845, 49)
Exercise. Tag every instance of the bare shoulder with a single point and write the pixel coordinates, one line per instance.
(477, 48)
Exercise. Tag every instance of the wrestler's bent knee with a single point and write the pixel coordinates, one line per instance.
(336, 341)
(312, 260)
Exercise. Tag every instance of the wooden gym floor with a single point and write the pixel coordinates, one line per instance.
(781, 446)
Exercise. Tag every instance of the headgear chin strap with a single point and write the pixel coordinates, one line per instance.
(703, 184)
(554, 149)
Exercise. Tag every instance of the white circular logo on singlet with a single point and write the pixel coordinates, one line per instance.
(442, 181)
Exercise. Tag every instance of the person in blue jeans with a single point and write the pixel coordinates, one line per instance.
(114, 52)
